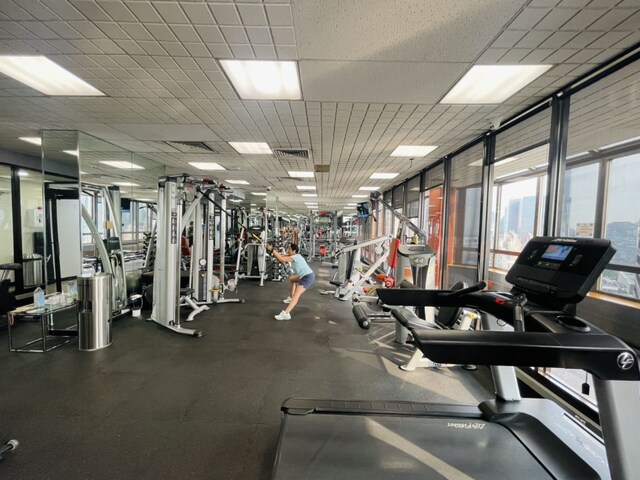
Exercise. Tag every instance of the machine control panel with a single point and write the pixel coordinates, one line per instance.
(562, 268)
(418, 255)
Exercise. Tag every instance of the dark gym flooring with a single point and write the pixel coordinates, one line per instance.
(158, 405)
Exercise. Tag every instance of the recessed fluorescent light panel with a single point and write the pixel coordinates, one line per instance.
(359, 196)
(488, 84)
(46, 76)
(121, 164)
(306, 187)
(251, 148)
(31, 140)
(75, 153)
(309, 195)
(126, 184)
(238, 182)
(369, 189)
(234, 200)
(351, 204)
(349, 208)
(301, 174)
(414, 151)
(259, 194)
(207, 165)
(23, 173)
(383, 176)
(263, 80)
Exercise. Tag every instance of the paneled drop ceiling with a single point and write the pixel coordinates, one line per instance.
(372, 74)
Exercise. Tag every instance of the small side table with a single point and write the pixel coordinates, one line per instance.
(45, 315)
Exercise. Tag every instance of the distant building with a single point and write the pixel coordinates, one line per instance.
(624, 236)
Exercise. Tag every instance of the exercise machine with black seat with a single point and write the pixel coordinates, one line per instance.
(509, 437)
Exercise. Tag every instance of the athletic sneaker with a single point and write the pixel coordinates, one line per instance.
(287, 300)
(283, 316)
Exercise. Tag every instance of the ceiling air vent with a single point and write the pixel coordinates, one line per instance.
(321, 168)
(291, 153)
(191, 147)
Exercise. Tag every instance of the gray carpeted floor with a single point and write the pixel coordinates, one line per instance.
(157, 405)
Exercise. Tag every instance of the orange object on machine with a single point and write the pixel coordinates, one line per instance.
(393, 252)
(323, 249)
(388, 282)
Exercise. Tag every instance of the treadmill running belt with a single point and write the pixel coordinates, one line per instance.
(349, 447)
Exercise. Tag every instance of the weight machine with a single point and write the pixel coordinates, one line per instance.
(168, 297)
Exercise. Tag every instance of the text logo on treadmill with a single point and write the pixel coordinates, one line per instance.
(625, 361)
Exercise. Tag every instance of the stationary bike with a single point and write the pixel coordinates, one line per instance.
(7, 303)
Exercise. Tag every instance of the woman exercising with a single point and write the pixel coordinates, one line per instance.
(302, 278)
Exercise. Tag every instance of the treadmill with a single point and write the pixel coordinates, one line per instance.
(509, 437)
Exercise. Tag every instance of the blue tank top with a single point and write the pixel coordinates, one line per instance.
(300, 266)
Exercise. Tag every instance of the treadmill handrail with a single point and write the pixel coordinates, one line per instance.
(598, 353)
(497, 304)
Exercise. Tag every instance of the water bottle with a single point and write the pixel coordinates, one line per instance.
(38, 298)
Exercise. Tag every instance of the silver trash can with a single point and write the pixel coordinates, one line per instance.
(94, 311)
(32, 269)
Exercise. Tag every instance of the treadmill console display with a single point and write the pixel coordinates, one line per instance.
(561, 270)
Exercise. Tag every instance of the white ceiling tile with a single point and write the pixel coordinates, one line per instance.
(197, 49)
(325, 30)
(556, 19)
(252, 15)
(396, 82)
(279, 15)
(583, 19)
(259, 35)
(609, 39)
(210, 33)
(185, 33)
(582, 40)
(287, 52)
(560, 55)
(136, 31)
(117, 11)
(144, 12)
(219, 50)
(17, 30)
(38, 10)
(171, 12)
(88, 29)
(242, 51)
(225, 14)
(40, 30)
(161, 32)
(631, 22)
(198, 13)
(265, 52)
(234, 34)
(508, 38)
(91, 10)
(85, 46)
(107, 46)
(152, 47)
(283, 35)
(111, 29)
(611, 20)
(63, 46)
(557, 39)
(175, 49)
(533, 39)
(515, 55)
(528, 18)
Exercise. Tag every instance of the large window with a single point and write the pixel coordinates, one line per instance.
(463, 230)
(518, 198)
(579, 199)
(621, 226)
